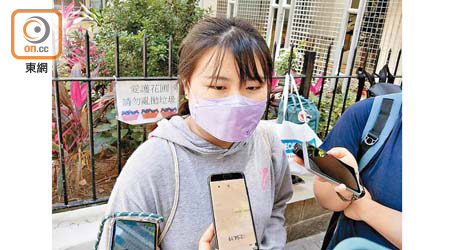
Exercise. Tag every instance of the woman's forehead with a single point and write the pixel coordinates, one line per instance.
(211, 58)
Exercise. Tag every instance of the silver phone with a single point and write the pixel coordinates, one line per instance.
(318, 162)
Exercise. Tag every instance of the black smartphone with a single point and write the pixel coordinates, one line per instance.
(233, 219)
(318, 162)
(131, 234)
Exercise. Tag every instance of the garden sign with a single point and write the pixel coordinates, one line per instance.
(139, 102)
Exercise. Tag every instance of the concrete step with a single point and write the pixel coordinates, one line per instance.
(313, 242)
(77, 229)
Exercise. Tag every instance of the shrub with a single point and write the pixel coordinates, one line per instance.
(159, 20)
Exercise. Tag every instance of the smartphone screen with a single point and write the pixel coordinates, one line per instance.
(327, 165)
(130, 234)
(232, 213)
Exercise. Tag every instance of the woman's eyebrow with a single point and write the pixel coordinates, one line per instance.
(224, 78)
(218, 78)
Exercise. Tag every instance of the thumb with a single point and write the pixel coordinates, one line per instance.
(338, 152)
(205, 240)
(341, 188)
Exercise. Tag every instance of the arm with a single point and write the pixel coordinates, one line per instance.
(144, 179)
(132, 191)
(385, 220)
(274, 236)
(346, 135)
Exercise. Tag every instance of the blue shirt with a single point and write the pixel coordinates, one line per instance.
(382, 176)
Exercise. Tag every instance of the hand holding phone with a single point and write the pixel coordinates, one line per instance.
(340, 170)
(339, 153)
(205, 241)
(233, 219)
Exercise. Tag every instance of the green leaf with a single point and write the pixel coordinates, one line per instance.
(123, 132)
(102, 142)
(111, 115)
(137, 135)
(59, 182)
(102, 127)
(114, 123)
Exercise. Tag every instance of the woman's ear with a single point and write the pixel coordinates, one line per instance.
(186, 91)
(186, 94)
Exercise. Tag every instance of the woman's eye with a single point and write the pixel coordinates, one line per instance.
(217, 87)
(253, 88)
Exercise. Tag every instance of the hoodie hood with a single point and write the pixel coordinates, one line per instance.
(177, 130)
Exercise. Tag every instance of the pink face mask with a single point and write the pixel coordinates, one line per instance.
(230, 119)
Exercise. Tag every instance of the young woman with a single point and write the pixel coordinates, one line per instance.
(225, 70)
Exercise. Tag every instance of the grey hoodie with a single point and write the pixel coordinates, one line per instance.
(147, 182)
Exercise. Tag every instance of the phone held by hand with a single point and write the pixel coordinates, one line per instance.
(318, 162)
(233, 220)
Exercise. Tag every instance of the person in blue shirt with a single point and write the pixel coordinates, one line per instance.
(377, 216)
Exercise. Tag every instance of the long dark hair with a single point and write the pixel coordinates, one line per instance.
(237, 35)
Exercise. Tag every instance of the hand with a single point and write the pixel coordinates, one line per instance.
(355, 210)
(345, 156)
(205, 240)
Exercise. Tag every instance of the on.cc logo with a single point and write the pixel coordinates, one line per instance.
(42, 24)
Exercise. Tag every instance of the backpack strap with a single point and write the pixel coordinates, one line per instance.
(383, 115)
(266, 139)
(268, 144)
(330, 230)
(176, 196)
